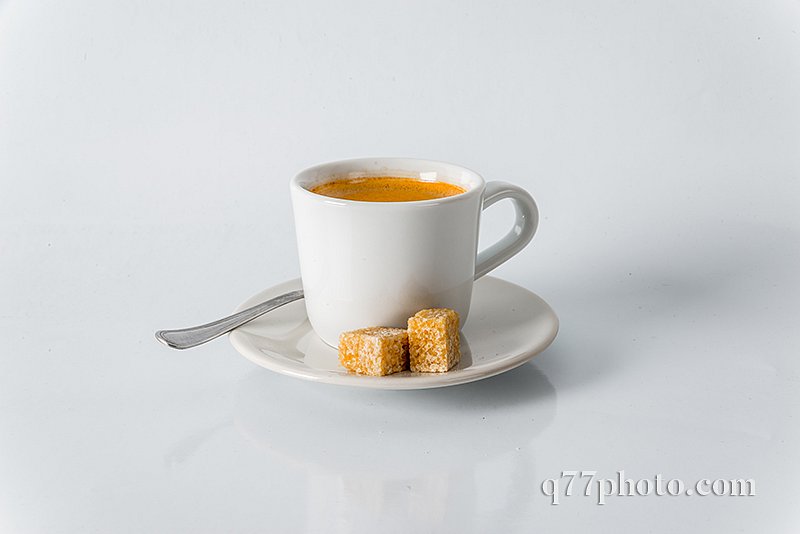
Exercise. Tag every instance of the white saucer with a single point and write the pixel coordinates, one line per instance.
(507, 326)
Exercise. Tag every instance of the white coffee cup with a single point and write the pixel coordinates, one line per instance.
(378, 263)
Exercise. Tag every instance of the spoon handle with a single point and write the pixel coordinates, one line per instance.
(197, 335)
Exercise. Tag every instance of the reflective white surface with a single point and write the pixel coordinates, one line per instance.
(145, 151)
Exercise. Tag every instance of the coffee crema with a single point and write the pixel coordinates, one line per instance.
(386, 189)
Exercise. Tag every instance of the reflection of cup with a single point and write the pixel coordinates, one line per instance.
(382, 421)
(390, 456)
(378, 263)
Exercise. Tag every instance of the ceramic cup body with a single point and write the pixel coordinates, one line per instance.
(378, 263)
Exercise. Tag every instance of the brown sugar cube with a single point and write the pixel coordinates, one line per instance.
(433, 340)
(375, 351)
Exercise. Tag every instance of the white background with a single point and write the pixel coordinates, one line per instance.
(145, 151)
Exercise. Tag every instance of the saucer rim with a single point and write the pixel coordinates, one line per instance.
(239, 340)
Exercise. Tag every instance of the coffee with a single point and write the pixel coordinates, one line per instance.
(386, 189)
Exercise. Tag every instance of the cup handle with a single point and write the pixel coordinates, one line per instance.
(527, 220)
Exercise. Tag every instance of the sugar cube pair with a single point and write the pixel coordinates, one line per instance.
(430, 345)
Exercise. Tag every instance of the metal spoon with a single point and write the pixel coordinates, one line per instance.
(186, 338)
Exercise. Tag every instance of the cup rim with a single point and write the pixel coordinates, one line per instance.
(474, 188)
